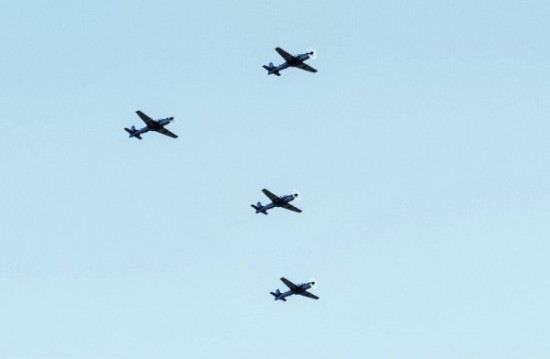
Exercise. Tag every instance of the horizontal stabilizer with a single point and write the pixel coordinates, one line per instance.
(133, 132)
(276, 295)
(270, 69)
(259, 209)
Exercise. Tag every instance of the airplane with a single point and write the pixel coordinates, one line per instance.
(300, 289)
(152, 125)
(290, 61)
(276, 201)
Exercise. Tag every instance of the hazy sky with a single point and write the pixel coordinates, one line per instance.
(420, 149)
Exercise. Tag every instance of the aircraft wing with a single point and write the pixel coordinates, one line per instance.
(292, 208)
(290, 285)
(306, 67)
(309, 295)
(164, 131)
(285, 55)
(270, 195)
(148, 120)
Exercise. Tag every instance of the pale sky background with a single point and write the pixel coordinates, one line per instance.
(421, 150)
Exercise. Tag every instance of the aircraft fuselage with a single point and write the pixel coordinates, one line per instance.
(157, 125)
(277, 202)
(301, 289)
(293, 62)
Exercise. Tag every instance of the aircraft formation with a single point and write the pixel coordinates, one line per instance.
(159, 126)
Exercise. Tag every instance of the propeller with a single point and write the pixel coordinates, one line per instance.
(312, 53)
(297, 195)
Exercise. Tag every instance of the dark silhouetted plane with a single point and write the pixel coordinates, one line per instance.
(290, 61)
(299, 289)
(276, 201)
(151, 125)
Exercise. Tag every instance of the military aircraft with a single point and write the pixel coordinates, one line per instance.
(276, 201)
(152, 125)
(300, 289)
(290, 61)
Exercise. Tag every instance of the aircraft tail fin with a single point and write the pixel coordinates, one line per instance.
(133, 132)
(270, 69)
(259, 208)
(277, 295)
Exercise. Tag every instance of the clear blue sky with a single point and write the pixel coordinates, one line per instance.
(420, 149)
